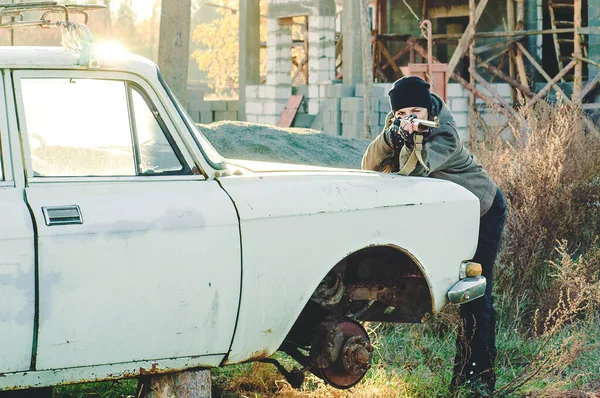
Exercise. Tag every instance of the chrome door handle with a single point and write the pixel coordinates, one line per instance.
(62, 215)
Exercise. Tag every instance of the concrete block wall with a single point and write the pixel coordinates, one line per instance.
(343, 106)
(212, 111)
(458, 101)
(279, 51)
(264, 103)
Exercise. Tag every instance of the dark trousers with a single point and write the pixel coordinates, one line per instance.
(476, 343)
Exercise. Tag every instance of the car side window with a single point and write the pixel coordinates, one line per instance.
(156, 153)
(92, 127)
(1, 164)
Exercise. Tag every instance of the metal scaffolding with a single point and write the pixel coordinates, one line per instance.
(511, 53)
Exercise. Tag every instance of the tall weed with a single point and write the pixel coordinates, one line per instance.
(550, 175)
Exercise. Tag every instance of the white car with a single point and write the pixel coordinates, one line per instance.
(129, 246)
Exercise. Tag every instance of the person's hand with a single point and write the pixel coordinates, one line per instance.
(392, 134)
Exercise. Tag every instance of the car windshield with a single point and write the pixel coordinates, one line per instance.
(210, 153)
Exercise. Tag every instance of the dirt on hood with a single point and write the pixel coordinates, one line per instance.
(242, 140)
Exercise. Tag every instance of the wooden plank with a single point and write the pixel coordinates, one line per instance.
(521, 68)
(510, 19)
(584, 31)
(472, 121)
(494, 94)
(444, 11)
(510, 80)
(289, 113)
(396, 57)
(388, 57)
(577, 50)
(541, 70)
(588, 87)
(551, 84)
(463, 44)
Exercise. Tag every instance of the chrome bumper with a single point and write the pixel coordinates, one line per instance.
(467, 289)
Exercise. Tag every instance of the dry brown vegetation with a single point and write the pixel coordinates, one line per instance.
(551, 178)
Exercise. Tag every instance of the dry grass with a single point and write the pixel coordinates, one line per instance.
(550, 177)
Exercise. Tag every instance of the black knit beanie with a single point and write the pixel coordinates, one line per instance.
(410, 91)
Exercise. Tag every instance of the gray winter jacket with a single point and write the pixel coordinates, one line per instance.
(444, 154)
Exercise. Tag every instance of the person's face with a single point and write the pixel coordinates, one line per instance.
(412, 110)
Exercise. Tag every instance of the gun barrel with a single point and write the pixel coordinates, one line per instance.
(421, 124)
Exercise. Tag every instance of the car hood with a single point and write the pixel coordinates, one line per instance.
(260, 166)
(289, 190)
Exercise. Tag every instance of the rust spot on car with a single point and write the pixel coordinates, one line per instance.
(153, 370)
(257, 355)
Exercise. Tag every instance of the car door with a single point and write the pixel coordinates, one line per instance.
(17, 274)
(138, 258)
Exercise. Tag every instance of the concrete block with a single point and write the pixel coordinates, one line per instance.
(225, 115)
(343, 90)
(313, 91)
(252, 91)
(384, 86)
(277, 92)
(323, 87)
(352, 131)
(251, 118)
(233, 105)
(195, 115)
(300, 90)
(333, 128)
(313, 107)
(459, 105)
(197, 104)
(462, 119)
(303, 120)
(261, 91)
(274, 107)
(218, 106)
(455, 90)
(381, 118)
(254, 107)
(206, 117)
(464, 134)
(357, 118)
(352, 104)
(376, 91)
(504, 89)
(384, 104)
(271, 120)
(333, 104)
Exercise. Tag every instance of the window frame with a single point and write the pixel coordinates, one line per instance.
(185, 169)
(6, 172)
(130, 81)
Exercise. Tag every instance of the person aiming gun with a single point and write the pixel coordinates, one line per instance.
(420, 139)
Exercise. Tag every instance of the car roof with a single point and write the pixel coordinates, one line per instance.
(30, 57)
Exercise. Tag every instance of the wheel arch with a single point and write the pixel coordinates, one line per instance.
(379, 282)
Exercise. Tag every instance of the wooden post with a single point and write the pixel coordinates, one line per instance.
(577, 49)
(367, 65)
(510, 19)
(188, 384)
(465, 40)
(472, 121)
